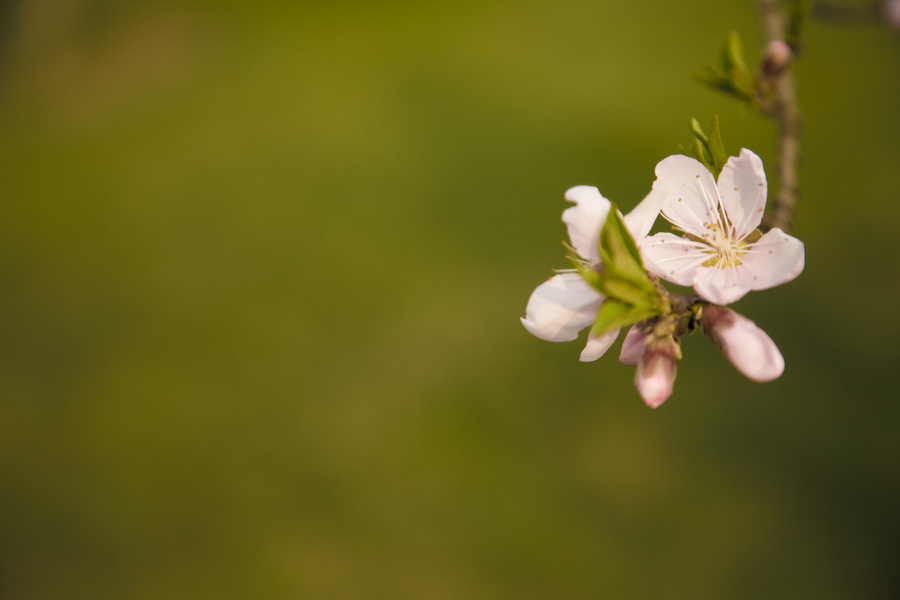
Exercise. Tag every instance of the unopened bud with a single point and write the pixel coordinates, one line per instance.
(892, 13)
(749, 349)
(777, 58)
(656, 371)
(633, 346)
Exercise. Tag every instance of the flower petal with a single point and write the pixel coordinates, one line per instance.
(655, 376)
(743, 188)
(633, 346)
(774, 259)
(561, 307)
(585, 220)
(643, 216)
(692, 200)
(597, 346)
(719, 286)
(673, 258)
(747, 346)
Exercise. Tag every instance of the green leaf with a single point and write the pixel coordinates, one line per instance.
(697, 131)
(620, 256)
(743, 82)
(631, 295)
(700, 145)
(709, 148)
(627, 291)
(716, 147)
(733, 54)
(615, 314)
(733, 77)
(713, 78)
(701, 153)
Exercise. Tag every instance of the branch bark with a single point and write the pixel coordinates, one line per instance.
(785, 112)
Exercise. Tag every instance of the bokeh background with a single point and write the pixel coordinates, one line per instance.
(261, 269)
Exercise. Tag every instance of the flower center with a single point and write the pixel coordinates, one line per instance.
(724, 250)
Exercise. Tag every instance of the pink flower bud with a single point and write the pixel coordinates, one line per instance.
(777, 58)
(633, 347)
(656, 371)
(892, 13)
(747, 346)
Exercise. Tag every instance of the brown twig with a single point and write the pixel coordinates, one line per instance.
(786, 114)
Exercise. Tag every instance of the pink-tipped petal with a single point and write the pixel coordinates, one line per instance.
(743, 188)
(633, 346)
(654, 388)
(561, 307)
(774, 259)
(597, 346)
(892, 13)
(692, 200)
(585, 220)
(748, 347)
(656, 371)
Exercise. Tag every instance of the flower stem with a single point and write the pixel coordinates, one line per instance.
(785, 112)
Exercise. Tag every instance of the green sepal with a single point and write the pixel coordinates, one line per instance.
(615, 314)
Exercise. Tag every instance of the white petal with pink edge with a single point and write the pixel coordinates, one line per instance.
(748, 347)
(561, 307)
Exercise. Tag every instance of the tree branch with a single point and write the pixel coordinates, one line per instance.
(786, 114)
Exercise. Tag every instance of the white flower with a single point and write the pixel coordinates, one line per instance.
(749, 349)
(565, 304)
(722, 254)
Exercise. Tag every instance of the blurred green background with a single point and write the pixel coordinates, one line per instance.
(261, 269)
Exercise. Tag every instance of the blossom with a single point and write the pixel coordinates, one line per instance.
(777, 58)
(656, 369)
(722, 254)
(747, 346)
(655, 357)
(892, 13)
(565, 304)
(633, 346)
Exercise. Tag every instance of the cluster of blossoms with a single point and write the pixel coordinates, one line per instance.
(720, 253)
